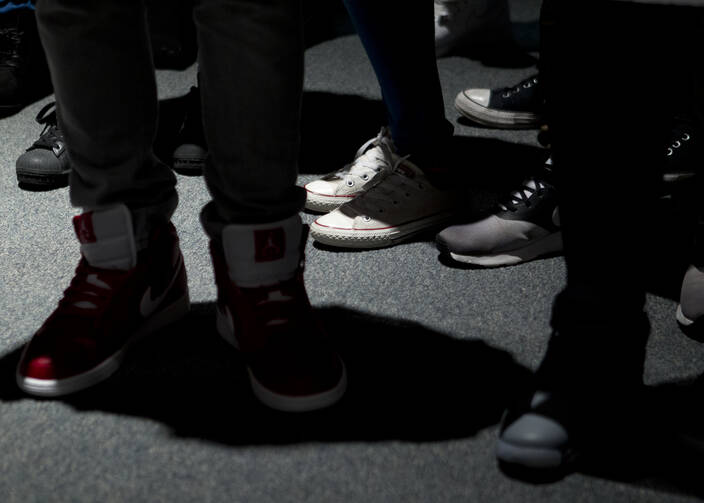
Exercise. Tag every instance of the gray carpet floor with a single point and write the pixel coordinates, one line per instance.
(433, 352)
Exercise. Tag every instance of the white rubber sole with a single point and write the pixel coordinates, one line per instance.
(495, 118)
(550, 244)
(324, 204)
(375, 238)
(61, 387)
(277, 401)
(681, 318)
(532, 457)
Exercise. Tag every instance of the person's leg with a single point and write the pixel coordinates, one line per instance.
(105, 90)
(130, 280)
(251, 64)
(607, 171)
(405, 65)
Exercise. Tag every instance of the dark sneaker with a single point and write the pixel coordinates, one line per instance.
(517, 107)
(46, 163)
(292, 366)
(24, 75)
(585, 397)
(526, 226)
(117, 296)
(189, 157)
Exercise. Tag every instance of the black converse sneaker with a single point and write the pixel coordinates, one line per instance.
(526, 226)
(45, 165)
(517, 107)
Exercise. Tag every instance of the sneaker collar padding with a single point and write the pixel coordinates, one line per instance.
(107, 238)
(262, 254)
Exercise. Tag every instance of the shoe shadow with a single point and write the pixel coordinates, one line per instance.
(405, 382)
(664, 450)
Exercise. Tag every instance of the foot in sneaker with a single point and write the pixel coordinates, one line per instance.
(46, 163)
(517, 107)
(582, 400)
(398, 205)
(526, 227)
(264, 311)
(117, 296)
(192, 151)
(342, 185)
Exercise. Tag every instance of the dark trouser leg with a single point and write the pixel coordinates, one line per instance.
(405, 66)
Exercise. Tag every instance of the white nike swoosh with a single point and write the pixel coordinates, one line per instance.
(149, 304)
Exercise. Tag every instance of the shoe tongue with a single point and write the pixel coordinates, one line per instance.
(107, 238)
(408, 169)
(262, 254)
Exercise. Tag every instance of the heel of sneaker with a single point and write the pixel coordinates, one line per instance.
(306, 403)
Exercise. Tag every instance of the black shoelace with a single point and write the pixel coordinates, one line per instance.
(521, 197)
(51, 134)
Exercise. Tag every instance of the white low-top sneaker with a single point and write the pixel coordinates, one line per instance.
(340, 186)
(399, 204)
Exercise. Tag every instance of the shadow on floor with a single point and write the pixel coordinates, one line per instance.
(405, 382)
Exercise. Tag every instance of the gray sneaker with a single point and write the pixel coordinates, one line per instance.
(527, 226)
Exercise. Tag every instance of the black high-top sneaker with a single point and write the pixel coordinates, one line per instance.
(45, 165)
(516, 107)
(189, 157)
(585, 399)
(24, 75)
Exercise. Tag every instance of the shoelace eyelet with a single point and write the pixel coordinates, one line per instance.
(686, 137)
(365, 177)
(677, 144)
(366, 218)
(350, 183)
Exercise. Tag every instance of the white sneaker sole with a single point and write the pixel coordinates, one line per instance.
(277, 401)
(533, 457)
(60, 387)
(552, 243)
(495, 118)
(681, 318)
(375, 238)
(324, 204)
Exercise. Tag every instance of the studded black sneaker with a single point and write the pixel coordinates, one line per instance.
(45, 165)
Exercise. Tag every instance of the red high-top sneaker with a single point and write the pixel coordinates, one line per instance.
(118, 295)
(264, 311)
